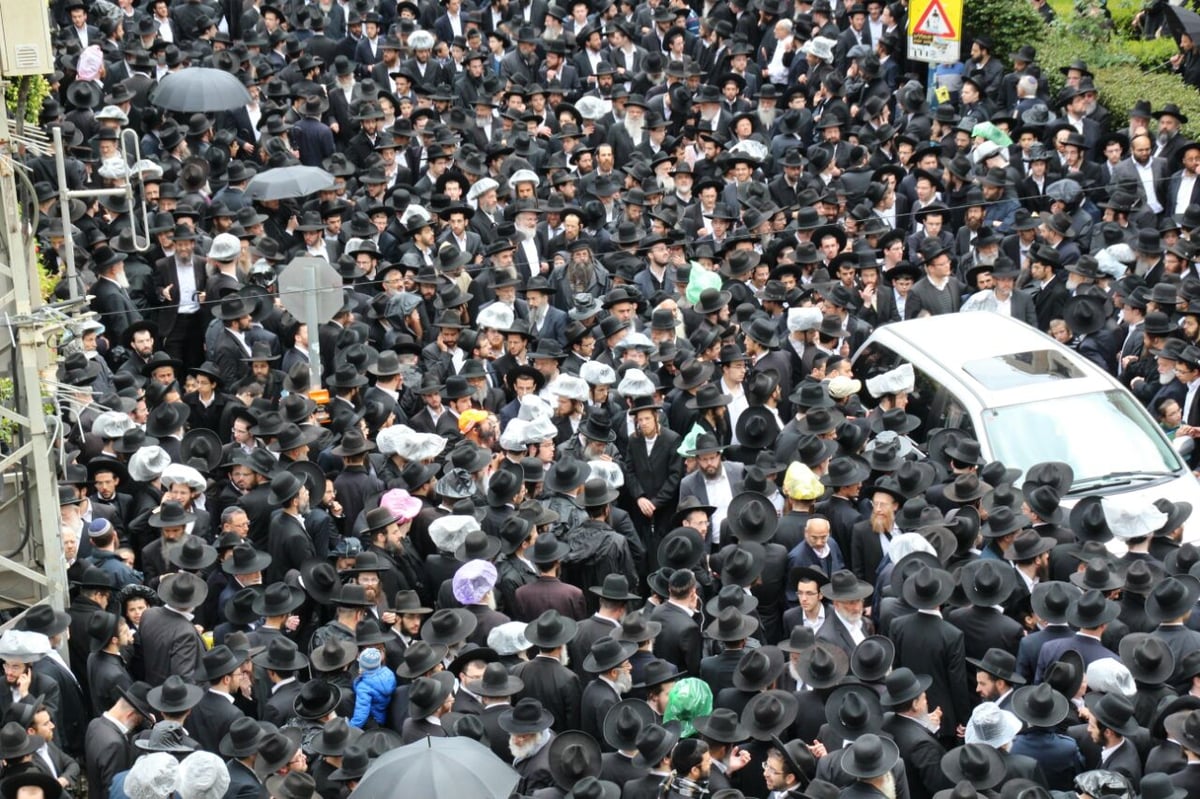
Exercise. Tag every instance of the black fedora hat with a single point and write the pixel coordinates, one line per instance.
(1114, 711)
(639, 627)
(182, 590)
(1088, 522)
(722, 726)
(758, 668)
(682, 548)
(449, 626)
(731, 596)
(872, 658)
(1172, 598)
(654, 744)
(853, 710)
(624, 722)
(216, 663)
(1147, 658)
(281, 655)
(174, 695)
(16, 743)
(496, 681)
(1052, 600)
(607, 653)
(987, 582)
(426, 694)
(1040, 705)
(615, 589)
(1092, 609)
(1098, 574)
(316, 698)
(978, 764)
(334, 737)
(999, 663)
(657, 672)
(243, 739)
(843, 586)
(333, 655)
(823, 665)
(551, 630)
(870, 756)
(769, 713)
(526, 717)
(752, 517)
(928, 588)
(903, 686)
(1027, 545)
(419, 658)
(192, 555)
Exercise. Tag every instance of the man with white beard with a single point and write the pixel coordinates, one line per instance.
(529, 260)
(627, 135)
(1164, 385)
(609, 661)
(869, 761)
(529, 736)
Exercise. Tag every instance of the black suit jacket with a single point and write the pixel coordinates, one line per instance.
(106, 673)
(108, 753)
(555, 686)
(211, 719)
(290, 546)
(168, 310)
(679, 642)
(1051, 300)
(115, 307)
(169, 645)
(243, 782)
(929, 645)
(598, 698)
(718, 670)
(921, 753)
(72, 715)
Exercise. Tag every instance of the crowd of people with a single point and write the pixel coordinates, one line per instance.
(585, 471)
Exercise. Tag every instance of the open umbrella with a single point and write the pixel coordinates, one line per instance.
(1183, 20)
(200, 89)
(438, 767)
(285, 182)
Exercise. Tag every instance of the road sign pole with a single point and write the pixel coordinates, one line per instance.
(314, 333)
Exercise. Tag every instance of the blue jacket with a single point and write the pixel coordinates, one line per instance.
(1058, 755)
(372, 695)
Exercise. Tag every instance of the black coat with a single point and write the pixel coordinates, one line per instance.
(289, 546)
(243, 782)
(929, 645)
(556, 687)
(169, 645)
(679, 642)
(598, 698)
(72, 716)
(921, 753)
(108, 753)
(106, 673)
(495, 737)
(211, 719)
(718, 670)
(535, 771)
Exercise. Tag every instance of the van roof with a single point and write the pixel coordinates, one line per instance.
(957, 348)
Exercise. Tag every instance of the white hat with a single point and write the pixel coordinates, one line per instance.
(508, 638)
(182, 473)
(153, 776)
(148, 463)
(635, 384)
(635, 341)
(497, 316)
(570, 387)
(820, 46)
(146, 167)
(986, 151)
(389, 438)
(21, 646)
(524, 176)
(449, 532)
(841, 387)
(481, 187)
(1128, 518)
(800, 319)
(590, 107)
(114, 168)
(533, 407)
(423, 446)
(992, 726)
(112, 424)
(595, 373)
(1109, 675)
(895, 381)
(225, 247)
(885, 437)
(608, 471)
(202, 775)
(473, 581)
(512, 437)
(539, 430)
(907, 543)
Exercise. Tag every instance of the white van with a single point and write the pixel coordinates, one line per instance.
(1027, 399)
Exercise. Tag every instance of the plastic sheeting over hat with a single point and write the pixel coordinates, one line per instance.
(512, 438)
(22, 646)
(1110, 676)
(595, 373)
(471, 417)
(905, 544)
(153, 776)
(539, 430)
(473, 581)
(481, 187)
(509, 638)
(524, 176)
(112, 424)
(90, 61)
(409, 444)
(800, 483)
(401, 504)
(801, 319)
(496, 316)
(687, 447)
(570, 387)
(991, 725)
(841, 387)
(182, 473)
(1129, 517)
(202, 775)
(608, 471)
(635, 384)
(895, 381)
(449, 532)
(688, 700)
(533, 407)
(635, 341)
(148, 463)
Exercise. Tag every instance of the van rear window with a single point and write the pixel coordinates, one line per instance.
(1022, 369)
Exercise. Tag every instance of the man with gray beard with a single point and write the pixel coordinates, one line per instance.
(547, 679)
(609, 661)
(110, 293)
(869, 760)
(582, 274)
(529, 737)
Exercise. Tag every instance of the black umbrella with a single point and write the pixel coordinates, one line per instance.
(1183, 20)
(200, 89)
(438, 767)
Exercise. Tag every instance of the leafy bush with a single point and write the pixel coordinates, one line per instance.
(1010, 24)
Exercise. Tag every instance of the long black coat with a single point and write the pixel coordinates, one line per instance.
(169, 645)
(243, 782)
(289, 546)
(535, 771)
(679, 642)
(929, 645)
(556, 687)
(921, 753)
(106, 674)
(72, 716)
(598, 698)
(108, 753)
(211, 719)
